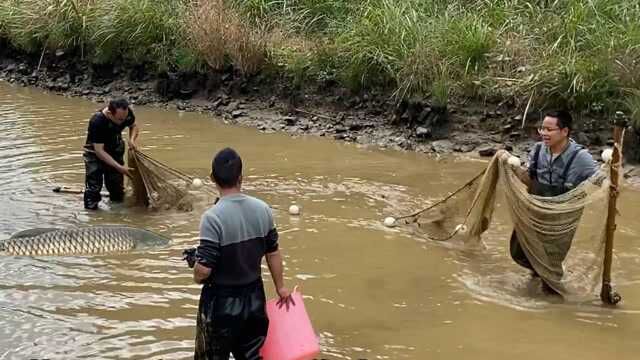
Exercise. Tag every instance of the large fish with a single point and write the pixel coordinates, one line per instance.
(80, 241)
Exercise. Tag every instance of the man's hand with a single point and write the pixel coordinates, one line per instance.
(125, 170)
(285, 298)
(104, 156)
(189, 255)
(132, 145)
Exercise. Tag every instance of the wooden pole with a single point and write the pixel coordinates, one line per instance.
(68, 190)
(607, 294)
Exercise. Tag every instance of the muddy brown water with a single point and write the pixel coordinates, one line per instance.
(372, 292)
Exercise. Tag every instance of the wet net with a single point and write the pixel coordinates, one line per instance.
(562, 237)
(160, 187)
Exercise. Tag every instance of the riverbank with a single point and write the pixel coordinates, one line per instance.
(368, 118)
(424, 76)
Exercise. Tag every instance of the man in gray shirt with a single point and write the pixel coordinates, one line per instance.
(556, 165)
(234, 236)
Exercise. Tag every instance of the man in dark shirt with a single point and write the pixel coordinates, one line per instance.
(234, 236)
(104, 152)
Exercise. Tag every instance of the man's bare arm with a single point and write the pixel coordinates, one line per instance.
(104, 156)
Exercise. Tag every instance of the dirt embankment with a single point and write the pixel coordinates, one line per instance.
(371, 119)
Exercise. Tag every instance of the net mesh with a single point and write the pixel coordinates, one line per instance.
(160, 187)
(563, 237)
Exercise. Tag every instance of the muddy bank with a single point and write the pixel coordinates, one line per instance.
(268, 103)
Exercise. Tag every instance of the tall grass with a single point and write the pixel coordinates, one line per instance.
(208, 31)
(468, 39)
(219, 35)
(302, 16)
(139, 31)
(375, 42)
(632, 106)
(104, 30)
(582, 54)
(32, 25)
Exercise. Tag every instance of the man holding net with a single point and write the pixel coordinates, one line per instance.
(104, 152)
(234, 236)
(556, 165)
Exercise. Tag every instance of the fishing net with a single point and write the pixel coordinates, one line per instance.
(563, 237)
(160, 187)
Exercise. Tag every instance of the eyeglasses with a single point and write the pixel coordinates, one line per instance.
(546, 129)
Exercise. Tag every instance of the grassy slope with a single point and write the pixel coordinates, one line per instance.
(583, 54)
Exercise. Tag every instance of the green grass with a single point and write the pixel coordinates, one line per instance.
(140, 31)
(375, 42)
(302, 16)
(468, 39)
(33, 25)
(582, 54)
(632, 107)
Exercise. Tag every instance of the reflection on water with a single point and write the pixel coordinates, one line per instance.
(373, 292)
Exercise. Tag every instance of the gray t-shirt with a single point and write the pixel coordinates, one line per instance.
(550, 169)
(234, 236)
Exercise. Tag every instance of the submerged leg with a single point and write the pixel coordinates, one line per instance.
(93, 181)
(517, 253)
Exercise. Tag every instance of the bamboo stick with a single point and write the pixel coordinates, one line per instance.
(607, 294)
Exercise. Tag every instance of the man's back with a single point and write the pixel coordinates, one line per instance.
(238, 231)
(234, 236)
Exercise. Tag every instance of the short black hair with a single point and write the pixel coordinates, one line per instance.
(565, 120)
(116, 104)
(226, 168)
